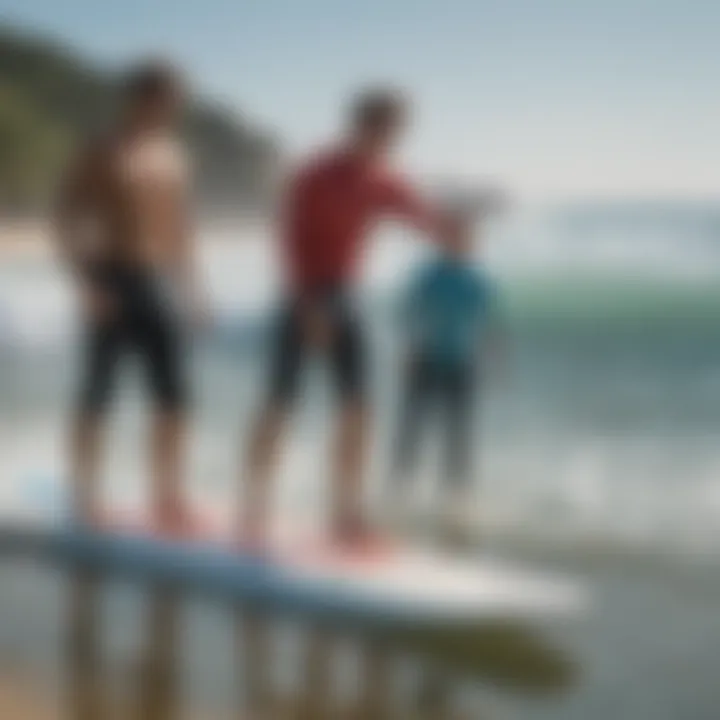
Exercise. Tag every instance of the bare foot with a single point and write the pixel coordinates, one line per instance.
(355, 534)
(177, 520)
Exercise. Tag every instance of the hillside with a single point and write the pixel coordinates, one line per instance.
(49, 97)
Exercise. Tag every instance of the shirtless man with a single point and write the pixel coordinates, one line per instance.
(332, 204)
(123, 225)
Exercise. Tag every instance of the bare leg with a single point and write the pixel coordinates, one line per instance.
(350, 452)
(459, 520)
(158, 695)
(167, 454)
(261, 458)
(414, 406)
(84, 461)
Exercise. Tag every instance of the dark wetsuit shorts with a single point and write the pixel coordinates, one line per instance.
(142, 323)
(345, 353)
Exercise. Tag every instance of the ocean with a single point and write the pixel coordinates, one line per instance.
(596, 452)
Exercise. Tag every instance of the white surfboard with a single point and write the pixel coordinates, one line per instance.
(391, 583)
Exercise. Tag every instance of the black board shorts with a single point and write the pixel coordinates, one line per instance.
(345, 353)
(142, 322)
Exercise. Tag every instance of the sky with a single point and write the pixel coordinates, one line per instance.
(549, 98)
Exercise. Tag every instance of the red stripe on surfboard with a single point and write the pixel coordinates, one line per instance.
(302, 551)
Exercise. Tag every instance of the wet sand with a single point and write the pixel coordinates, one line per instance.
(84, 650)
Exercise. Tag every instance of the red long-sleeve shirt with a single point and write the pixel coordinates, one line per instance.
(332, 205)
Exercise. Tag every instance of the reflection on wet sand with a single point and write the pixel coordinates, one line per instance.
(89, 692)
(159, 680)
(254, 650)
(375, 700)
(315, 698)
(504, 655)
(87, 689)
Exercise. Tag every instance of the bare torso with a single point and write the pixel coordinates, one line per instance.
(138, 197)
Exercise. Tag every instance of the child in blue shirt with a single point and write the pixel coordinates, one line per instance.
(448, 318)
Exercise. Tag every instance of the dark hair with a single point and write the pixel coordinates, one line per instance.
(377, 108)
(151, 80)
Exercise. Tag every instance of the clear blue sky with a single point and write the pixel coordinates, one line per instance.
(554, 97)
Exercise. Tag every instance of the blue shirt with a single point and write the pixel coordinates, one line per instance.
(448, 310)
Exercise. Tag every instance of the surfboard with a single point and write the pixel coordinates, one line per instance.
(391, 583)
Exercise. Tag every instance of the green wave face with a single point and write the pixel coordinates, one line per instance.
(612, 301)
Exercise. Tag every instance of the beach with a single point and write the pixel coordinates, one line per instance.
(598, 447)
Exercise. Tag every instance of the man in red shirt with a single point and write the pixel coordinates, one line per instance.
(331, 206)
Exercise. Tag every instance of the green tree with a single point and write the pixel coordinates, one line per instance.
(32, 152)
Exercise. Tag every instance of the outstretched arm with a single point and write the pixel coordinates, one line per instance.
(402, 201)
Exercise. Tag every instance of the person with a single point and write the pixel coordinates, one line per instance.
(123, 226)
(332, 203)
(449, 321)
